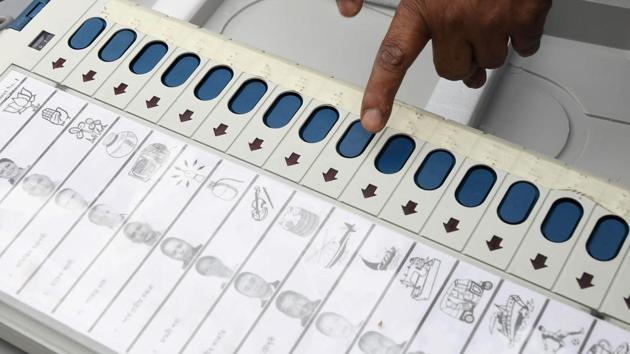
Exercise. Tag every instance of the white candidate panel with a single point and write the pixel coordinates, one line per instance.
(353, 300)
(313, 278)
(509, 320)
(72, 200)
(408, 300)
(457, 311)
(64, 265)
(58, 163)
(561, 329)
(21, 105)
(256, 282)
(36, 137)
(179, 249)
(139, 237)
(607, 338)
(196, 294)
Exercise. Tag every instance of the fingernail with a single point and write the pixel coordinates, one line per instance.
(372, 119)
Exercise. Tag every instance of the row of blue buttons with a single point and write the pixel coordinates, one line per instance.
(561, 220)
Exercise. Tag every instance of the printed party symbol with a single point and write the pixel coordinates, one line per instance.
(462, 297)
(299, 221)
(224, 188)
(388, 261)
(333, 251)
(22, 101)
(554, 341)
(56, 116)
(420, 275)
(90, 129)
(188, 173)
(149, 162)
(603, 346)
(259, 204)
(119, 145)
(511, 319)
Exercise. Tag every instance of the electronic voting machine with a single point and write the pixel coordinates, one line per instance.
(165, 190)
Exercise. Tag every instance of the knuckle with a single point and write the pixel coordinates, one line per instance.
(391, 55)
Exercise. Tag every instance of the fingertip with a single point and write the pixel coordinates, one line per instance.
(529, 50)
(477, 79)
(373, 120)
(349, 8)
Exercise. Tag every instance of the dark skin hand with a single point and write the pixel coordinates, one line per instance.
(468, 37)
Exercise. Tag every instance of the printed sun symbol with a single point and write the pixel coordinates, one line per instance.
(189, 172)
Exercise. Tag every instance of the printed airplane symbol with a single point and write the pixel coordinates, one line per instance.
(494, 243)
(153, 102)
(186, 116)
(627, 300)
(451, 225)
(57, 64)
(89, 76)
(539, 261)
(256, 144)
(120, 89)
(292, 159)
(585, 281)
(410, 208)
(330, 175)
(369, 191)
(221, 129)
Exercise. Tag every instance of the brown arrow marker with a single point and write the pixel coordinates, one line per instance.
(330, 175)
(153, 102)
(186, 116)
(292, 159)
(89, 76)
(256, 144)
(221, 129)
(451, 225)
(585, 281)
(627, 300)
(494, 243)
(409, 208)
(57, 64)
(539, 261)
(120, 89)
(369, 191)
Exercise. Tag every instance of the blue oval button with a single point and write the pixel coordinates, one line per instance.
(434, 170)
(117, 45)
(213, 83)
(607, 238)
(180, 70)
(518, 203)
(319, 124)
(354, 141)
(282, 110)
(395, 154)
(475, 187)
(148, 58)
(85, 35)
(562, 219)
(247, 96)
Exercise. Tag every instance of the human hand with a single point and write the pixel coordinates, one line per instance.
(468, 36)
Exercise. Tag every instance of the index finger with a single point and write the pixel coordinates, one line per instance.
(408, 34)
